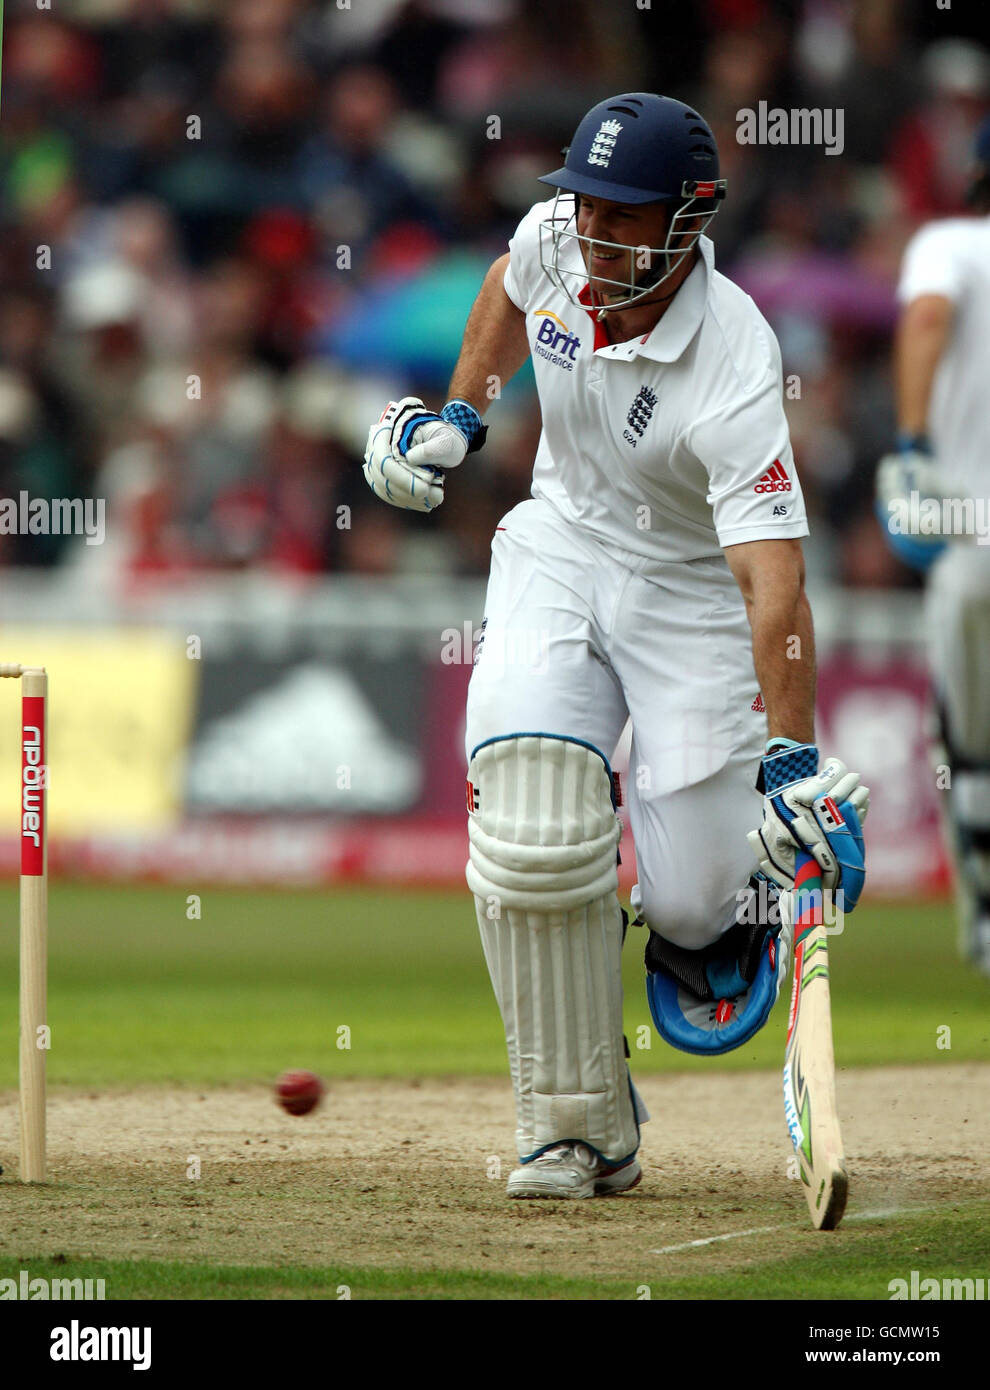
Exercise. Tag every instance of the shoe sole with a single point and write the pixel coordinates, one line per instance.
(602, 1190)
(546, 1194)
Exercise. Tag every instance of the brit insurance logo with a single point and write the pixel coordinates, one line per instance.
(555, 341)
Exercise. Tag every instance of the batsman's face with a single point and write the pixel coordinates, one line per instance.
(637, 226)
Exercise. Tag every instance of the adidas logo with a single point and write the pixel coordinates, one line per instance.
(758, 706)
(774, 479)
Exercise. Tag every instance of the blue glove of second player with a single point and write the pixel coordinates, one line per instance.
(908, 482)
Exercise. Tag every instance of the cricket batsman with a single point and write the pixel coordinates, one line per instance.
(654, 575)
(933, 497)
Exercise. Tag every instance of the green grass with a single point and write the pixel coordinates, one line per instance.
(264, 980)
(857, 1262)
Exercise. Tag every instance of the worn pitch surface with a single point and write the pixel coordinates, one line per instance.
(411, 1173)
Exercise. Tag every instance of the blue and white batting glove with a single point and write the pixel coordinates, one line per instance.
(392, 477)
(410, 447)
(820, 812)
(909, 474)
(437, 441)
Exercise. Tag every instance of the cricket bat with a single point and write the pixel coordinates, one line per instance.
(809, 1061)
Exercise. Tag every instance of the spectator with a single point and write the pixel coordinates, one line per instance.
(194, 195)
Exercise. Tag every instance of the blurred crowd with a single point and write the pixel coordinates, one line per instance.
(233, 229)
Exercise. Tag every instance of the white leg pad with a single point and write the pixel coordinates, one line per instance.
(542, 867)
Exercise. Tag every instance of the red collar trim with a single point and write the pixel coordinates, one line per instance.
(602, 339)
(601, 335)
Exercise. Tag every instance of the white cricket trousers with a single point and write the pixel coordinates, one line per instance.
(958, 613)
(578, 638)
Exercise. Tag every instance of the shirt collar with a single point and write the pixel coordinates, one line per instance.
(680, 323)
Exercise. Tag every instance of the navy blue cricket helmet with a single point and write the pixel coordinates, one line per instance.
(634, 148)
(638, 148)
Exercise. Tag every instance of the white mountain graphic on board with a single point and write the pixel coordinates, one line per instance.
(312, 742)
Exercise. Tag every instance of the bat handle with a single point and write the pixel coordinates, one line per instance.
(809, 896)
(807, 872)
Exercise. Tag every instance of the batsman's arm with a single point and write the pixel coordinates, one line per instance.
(410, 447)
(922, 334)
(495, 344)
(770, 575)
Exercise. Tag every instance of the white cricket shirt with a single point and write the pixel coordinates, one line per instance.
(952, 258)
(669, 446)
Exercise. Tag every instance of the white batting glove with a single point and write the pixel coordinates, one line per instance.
(393, 478)
(801, 810)
(426, 439)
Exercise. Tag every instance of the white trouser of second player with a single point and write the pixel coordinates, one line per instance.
(958, 620)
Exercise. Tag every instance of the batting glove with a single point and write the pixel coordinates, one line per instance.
(438, 441)
(910, 473)
(417, 488)
(822, 812)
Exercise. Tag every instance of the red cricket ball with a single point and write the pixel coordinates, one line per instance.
(299, 1092)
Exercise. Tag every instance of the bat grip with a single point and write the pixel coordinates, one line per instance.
(806, 869)
(808, 889)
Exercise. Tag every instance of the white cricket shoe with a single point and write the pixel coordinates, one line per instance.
(571, 1170)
